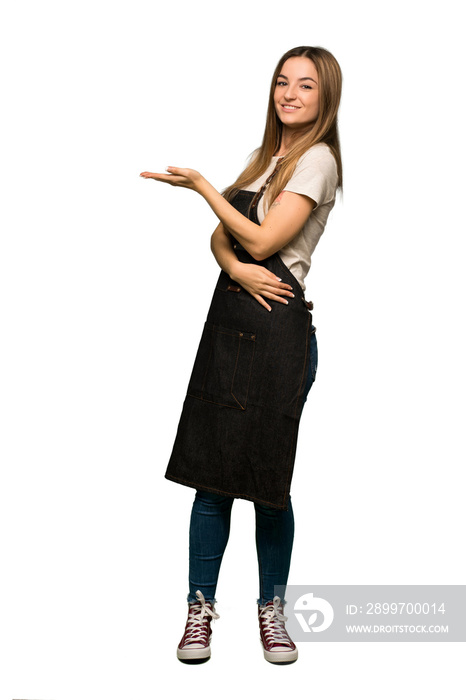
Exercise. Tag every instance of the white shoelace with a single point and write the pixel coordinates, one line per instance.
(273, 625)
(196, 631)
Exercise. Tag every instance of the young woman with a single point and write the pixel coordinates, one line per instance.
(257, 357)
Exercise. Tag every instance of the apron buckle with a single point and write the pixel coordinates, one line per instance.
(309, 304)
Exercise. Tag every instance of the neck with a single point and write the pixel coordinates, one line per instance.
(288, 139)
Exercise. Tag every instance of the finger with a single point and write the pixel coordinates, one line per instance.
(269, 273)
(157, 176)
(262, 302)
(274, 297)
(174, 180)
(278, 290)
(271, 276)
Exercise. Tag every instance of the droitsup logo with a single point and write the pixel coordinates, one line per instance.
(312, 606)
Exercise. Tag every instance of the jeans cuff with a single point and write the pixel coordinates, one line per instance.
(192, 599)
(259, 602)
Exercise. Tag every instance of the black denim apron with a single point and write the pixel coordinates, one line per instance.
(239, 425)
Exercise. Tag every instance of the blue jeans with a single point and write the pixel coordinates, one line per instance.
(210, 530)
(208, 538)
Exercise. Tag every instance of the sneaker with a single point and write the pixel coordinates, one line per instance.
(278, 647)
(194, 647)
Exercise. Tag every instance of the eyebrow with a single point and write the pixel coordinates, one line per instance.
(284, 76)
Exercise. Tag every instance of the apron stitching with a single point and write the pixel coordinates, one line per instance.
(287, 269)
(289, 463)
(208, 361)
(250, 372)
(234, 374)
(217, 403)
(223, 493)
(295, 438)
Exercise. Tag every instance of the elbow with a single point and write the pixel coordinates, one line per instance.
(263, 247)
(260, 252)
(258, 258)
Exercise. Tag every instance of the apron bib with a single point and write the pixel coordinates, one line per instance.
(238, 429)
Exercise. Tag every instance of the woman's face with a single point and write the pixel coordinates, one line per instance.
(296, 95)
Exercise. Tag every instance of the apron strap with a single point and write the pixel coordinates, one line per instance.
(260, 192)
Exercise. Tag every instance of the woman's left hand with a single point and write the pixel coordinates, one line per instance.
(177, 177)
(260, 282)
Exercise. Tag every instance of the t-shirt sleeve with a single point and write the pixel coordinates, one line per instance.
(315, 176)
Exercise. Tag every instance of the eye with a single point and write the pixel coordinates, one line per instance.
(308, 87)
(281, 83)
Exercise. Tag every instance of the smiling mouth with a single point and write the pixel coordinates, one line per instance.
(290, 107)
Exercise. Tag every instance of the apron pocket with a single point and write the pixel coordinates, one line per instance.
(223, 365)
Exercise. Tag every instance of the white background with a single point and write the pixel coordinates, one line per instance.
(105, 283)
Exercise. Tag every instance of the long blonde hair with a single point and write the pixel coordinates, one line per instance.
(323, 130)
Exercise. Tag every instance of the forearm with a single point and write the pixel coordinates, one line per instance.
(251, 236)
(255, 279)
(222, 250)
(284, 220)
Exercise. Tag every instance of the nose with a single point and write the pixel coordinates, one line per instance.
(290, 93)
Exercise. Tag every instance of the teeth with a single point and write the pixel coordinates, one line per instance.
(290, 107)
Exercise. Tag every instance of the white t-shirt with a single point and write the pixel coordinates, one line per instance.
(316, 177)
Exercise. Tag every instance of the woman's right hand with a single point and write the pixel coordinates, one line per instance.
(260, 283)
